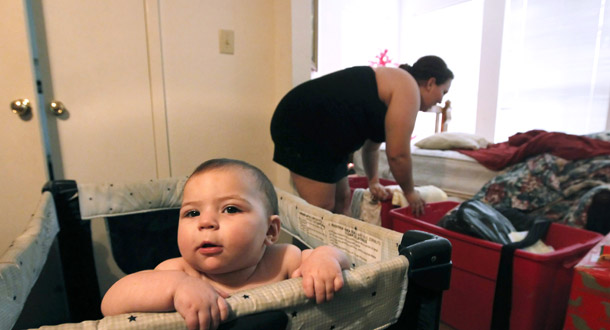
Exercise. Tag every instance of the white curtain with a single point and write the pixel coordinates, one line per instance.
(555, 72)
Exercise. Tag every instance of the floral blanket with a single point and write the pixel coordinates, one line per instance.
(549, 186)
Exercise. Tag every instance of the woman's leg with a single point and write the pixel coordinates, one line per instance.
(317, 193)
(343, 197)
(330, 196)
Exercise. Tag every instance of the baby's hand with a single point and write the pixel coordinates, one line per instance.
(321, 274)
(200, 304)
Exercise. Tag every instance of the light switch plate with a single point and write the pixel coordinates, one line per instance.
(226, 41)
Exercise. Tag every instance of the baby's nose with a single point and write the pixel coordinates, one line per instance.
(208, 220)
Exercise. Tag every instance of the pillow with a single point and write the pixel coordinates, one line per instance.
(451, 140)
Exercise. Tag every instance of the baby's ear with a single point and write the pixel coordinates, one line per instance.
(273, 231)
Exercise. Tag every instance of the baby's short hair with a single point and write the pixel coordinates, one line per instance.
(265, 184)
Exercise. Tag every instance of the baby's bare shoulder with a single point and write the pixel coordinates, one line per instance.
(172, 264)
(283, 250)
(283, 256)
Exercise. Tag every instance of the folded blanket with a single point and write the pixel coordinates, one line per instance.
(523, 145)
(365, 207)
(430, 194)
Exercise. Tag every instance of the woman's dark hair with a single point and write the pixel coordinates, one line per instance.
(265, 184)
(429, 67)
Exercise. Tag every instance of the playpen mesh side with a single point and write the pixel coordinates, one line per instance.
(374, 291)
(21, 264)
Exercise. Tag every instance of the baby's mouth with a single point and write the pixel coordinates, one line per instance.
(208, 248)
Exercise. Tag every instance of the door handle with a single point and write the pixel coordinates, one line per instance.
(21, 107)
(57, 108)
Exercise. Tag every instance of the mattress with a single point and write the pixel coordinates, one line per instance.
(456, 174)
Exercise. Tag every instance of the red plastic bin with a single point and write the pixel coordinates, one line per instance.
(541, 282)
(363, 182)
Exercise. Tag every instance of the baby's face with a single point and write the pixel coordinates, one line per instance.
(223, 221)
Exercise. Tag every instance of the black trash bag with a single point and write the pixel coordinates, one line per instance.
(477, 219)
(520, 220)
(450, 222)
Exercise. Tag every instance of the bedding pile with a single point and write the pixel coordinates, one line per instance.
(550, 186)
(535, 142)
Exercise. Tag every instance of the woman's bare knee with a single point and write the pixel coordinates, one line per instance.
(317, 193)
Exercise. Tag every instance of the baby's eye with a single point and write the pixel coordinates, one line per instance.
(231, 209)
(191, 214)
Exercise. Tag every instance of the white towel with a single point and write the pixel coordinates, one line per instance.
(363, 207)
(355, 206)
(367, 209)
(430, 194)
(370, 209)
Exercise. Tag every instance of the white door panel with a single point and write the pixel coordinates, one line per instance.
(22, 166)
(98, 63)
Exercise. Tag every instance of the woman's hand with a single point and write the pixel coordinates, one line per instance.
(416, 203)
(379, 192)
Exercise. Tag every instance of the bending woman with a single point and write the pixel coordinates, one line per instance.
(319, 123)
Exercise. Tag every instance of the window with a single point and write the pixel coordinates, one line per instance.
(555, 67)
(452, 30)
(554, 61)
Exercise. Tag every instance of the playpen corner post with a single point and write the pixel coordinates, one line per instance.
(76, 253)
(429, 275)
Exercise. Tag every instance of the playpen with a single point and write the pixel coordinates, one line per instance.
(396, 280)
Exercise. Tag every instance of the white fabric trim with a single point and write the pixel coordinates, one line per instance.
(21, 264)
(112, 199)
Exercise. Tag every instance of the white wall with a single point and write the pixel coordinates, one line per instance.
(237, 93)
(223, 101)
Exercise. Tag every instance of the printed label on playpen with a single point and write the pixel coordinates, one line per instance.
(363, 246)
(312, 225)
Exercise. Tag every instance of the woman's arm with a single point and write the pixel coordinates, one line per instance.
(400, 92)
(370, 162)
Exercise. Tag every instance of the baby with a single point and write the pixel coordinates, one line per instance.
(226, 233)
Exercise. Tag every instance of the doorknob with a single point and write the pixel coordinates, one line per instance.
(21, 107)
(57, 108)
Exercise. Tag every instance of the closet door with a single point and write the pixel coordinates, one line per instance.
(95, 65)
(22, 169)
